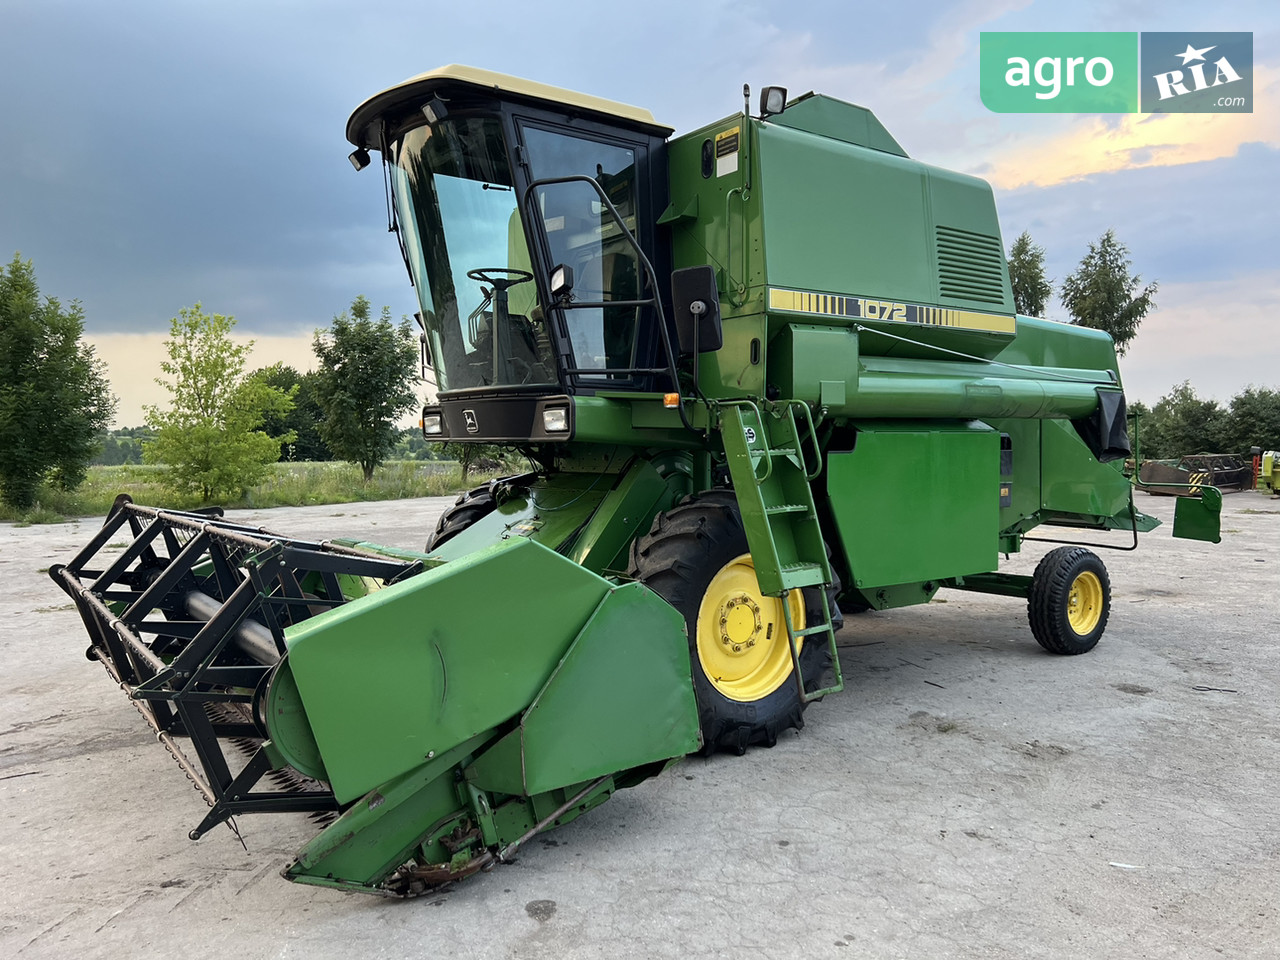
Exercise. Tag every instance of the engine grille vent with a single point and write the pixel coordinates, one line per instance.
(970, 266)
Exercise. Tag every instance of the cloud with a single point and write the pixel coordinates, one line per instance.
(1217, 335)
(1091, 144)
(910, 85)
(1190, 222)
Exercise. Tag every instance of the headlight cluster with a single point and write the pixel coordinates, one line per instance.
(555, 419)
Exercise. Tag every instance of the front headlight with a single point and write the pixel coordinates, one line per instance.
(555, 419)
(432, 424)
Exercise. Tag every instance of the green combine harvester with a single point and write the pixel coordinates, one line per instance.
(762, 371)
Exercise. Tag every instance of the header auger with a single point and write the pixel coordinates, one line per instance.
(764, 371)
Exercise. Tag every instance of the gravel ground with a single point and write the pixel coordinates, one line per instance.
(968, 795)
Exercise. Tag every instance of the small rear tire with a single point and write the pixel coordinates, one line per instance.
(1070, 601)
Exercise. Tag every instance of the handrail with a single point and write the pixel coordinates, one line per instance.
(768, 457)
(651, 273)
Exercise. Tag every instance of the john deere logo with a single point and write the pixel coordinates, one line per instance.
(1197, 73)
(469, 418)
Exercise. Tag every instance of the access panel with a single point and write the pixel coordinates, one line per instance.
(917, 503)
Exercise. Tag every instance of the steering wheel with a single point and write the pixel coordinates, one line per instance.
(501, 277)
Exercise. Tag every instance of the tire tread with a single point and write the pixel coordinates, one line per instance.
(1046, 602)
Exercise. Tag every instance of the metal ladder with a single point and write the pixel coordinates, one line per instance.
(771, 479)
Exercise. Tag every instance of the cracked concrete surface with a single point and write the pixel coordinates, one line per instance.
(967, 796)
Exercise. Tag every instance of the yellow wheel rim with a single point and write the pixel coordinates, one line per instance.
(742, 635)
(1084, 603)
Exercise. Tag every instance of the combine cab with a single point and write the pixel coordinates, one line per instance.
(766, 370)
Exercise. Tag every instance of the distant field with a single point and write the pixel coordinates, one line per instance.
(289, 485)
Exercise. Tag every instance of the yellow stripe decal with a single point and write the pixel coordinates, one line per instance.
(865, 308)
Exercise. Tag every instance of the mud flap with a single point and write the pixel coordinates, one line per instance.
(1199, 518)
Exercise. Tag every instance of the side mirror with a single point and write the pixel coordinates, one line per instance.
(697, 309)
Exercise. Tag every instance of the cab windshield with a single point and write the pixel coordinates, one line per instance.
(457, 209)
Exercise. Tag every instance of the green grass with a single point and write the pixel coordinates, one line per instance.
(288, 485)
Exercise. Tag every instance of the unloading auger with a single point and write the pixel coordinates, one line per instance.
(765, 371)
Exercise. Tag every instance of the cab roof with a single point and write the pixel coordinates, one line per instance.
(362, 129)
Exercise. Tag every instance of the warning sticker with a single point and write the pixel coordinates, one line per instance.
(727, 152)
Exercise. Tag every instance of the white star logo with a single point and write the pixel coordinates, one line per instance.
(1191, 53)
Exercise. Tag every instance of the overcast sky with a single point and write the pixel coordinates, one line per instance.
(159, 154)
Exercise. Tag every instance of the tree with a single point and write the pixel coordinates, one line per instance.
(1181, 423)
(303, 421)
(121, 446)
(1100, 293)
(364, 384)
(473, 456)
(211, 438)
(1253, 421)
(1031, 291)
(1139, 423)
(54, 396)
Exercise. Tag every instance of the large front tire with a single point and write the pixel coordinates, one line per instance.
(695, 556)
(466, 510)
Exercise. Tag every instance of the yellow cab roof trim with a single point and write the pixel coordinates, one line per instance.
(503, 84)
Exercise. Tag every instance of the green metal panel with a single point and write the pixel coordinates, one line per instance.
(383, 829)
(843, 218)
(613, 419)
(730, 371)
(413, 670)
(1073, 481)
(803, 357)
(898, 594)
(626, 511)
(1199, 518)
(1064, 346)
(917, 502)
(1024, 484)
(621, 697)
(837, 120)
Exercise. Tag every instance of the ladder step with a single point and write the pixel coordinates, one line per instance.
(787, 508)
(809, 631)
(795, 575)
(782, 451)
